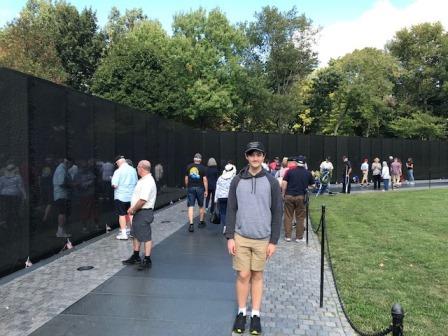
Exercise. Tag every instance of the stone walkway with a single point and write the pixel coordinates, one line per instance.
(291, 304)
(26, 303)
(58, 300)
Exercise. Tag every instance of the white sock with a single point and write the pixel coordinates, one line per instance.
(255, 312)
(242, 310)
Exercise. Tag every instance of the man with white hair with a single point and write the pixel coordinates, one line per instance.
(142, 210)
(123, 181)
(197, 189)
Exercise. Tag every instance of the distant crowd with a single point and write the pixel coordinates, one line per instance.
(390, 172)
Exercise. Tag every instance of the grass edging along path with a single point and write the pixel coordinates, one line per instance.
(386, 248)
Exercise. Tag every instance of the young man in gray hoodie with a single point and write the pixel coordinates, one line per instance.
(254, 213)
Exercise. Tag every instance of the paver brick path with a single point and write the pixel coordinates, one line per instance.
(189, 271)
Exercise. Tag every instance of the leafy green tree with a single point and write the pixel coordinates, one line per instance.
(419, 125)
(252, 112)
(28, 44)
(353, 95)
(301, 94)
(209, 67)
(53, 41)
(281, 50)
(320, 99)
(283, 43)
(423, 53)
(119, 25)
(134, 72)
(79, 44)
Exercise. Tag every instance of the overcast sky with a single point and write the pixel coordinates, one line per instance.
(346, 24)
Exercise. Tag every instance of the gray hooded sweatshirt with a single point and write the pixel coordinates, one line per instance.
(254, 207)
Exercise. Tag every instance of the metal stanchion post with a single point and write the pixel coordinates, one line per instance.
(397, 320)
(307, 209)
(322, 259)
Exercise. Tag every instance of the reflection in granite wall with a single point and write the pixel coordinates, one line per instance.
(57, 150)
(14, 170)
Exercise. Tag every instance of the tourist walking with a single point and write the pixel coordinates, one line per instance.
(222, 191)
(142, 210)
(212, 176)
(197, 188)
(254, 213)
(123, 182)
(294, 188)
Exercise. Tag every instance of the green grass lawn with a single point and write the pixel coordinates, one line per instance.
(390, 247)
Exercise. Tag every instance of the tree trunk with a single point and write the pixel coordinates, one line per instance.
(339, 123)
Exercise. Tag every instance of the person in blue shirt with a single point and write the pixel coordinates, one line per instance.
(123, 181)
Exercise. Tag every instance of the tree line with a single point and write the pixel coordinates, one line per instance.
(260, 75)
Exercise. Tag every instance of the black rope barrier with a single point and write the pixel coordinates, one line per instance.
(307, 214)
(322, 258)
(396, 326)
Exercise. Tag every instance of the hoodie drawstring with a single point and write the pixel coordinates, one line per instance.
(254, 185)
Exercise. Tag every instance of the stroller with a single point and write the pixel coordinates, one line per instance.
(322, 180)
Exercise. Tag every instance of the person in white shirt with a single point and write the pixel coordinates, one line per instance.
(222, 191)
(365, 173)
(142, 210)
(326, 167)
(385, 174)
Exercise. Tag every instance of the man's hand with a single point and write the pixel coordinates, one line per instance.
(231, 246)
(131, 212)
(270, 250)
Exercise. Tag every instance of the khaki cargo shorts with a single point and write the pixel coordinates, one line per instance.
(250, 254)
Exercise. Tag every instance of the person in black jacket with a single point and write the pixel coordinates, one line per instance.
(212, 178)
(295, 186)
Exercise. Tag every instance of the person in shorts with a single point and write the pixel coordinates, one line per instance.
(254, 214)
(142, 210)
(123, 181)
(365, 173)
(197, 189)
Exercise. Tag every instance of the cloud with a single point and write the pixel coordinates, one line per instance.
(376, 26)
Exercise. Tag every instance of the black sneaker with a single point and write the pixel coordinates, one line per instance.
(255, 325)
(133, 259)
(145, 264)
(240, 324)
(191, 228)
(201, 224)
